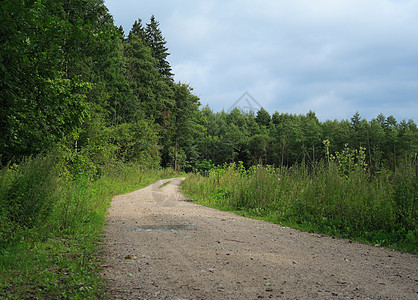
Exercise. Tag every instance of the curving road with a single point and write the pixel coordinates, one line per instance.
(159, 245)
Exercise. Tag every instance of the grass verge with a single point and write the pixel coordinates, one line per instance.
(379, 210)
(57, 256)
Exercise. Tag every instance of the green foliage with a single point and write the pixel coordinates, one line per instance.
(263, 118)
(156, 42)
(39, 103)
(205, 167)
(405, 196)
(70, 77)
(184, 129)
(379, 210)
(106, 104)
(52, 213)
(28, 192)
(286, 139)
(348, 160)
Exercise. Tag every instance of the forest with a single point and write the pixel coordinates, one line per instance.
(84, 103)
(72, 80)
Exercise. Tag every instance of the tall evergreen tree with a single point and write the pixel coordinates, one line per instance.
(153, 92)
(156, 41)
(263, 117)
(137, 30)
(184, 131)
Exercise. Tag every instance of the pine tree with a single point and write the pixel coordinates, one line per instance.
(137, 30)
(156, 41)
(183, 131)
(153, 92)
(263, 117)
(141, 73)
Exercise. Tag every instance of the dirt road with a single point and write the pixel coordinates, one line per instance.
(158, 245)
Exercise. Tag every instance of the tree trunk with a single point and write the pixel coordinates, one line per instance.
(176, 150)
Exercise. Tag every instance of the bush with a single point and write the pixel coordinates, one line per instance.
(28, 191)
(204, 167)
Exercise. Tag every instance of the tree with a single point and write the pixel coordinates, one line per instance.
(184, 125)
(138, 30)
(358, 131)
(258, 146)
(152, 92)
(286, 138)
(275, 118)
(374, 144)
(408, 138)
(42, 104)
(156, 41)
(337, 132)
(214, 125)
(391, 140)
(312, 134)
(263, 118)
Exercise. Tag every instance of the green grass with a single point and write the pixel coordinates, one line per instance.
(53, 252)
(379, 210)
(164, 184)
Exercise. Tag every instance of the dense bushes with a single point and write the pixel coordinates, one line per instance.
(27, 196)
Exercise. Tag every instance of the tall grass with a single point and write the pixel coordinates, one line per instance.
(378, 210)
(51, 220)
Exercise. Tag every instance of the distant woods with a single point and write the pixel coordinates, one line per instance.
(283, 139)
(72, 80)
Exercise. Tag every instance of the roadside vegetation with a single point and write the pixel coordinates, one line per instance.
(51, 225)
(338, 197)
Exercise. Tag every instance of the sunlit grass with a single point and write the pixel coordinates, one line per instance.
(380, 210)
(57, 254)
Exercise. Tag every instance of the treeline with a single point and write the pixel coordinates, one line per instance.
(283, 139)
(70, 79)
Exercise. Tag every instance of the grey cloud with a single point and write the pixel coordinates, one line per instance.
(296, 55)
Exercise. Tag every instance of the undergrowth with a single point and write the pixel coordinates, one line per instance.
(51, 221)
(326, 198)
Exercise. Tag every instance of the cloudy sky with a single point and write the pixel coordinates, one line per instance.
(335, 57)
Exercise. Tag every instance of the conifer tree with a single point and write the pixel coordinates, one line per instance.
(137, 30)
(185, 127)
(156, 41)
(153, 92)
(263, 117)
(141, 72)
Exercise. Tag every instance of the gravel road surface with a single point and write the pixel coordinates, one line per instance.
(159, 245)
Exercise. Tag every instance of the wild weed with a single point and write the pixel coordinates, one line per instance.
(51, 220)
(331, 198)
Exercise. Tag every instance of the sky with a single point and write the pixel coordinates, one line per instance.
(333, 57)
